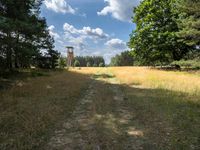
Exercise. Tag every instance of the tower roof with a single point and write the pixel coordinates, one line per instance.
(70, 47)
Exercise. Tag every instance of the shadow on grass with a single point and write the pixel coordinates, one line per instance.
(32, 111)
(147, 119)
(124, 117)
(171, 119)
(8, 79)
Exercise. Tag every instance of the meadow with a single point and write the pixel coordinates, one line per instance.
(34, 106)
(102, 108)
(166, 102)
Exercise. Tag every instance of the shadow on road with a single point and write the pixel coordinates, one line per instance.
(115, 116)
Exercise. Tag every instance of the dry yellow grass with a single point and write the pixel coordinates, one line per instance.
(86, 70)
(130, 104)
(31, 108)
(151, 78)
(164, 104)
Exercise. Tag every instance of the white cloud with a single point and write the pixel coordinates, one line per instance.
(79, 43)
(87, 41)
(86, 32)
(73, 37)
(79, 37)
(59, 6)
(119, 9)
(116, 44)
(70, 29)
(83, 15)
(51, 28)
(53, 33)
(97, 33)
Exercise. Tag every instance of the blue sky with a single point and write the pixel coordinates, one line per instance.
(93, 27)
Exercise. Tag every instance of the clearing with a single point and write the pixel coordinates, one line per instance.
(102, 109)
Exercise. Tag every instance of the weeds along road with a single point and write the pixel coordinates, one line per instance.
(123, 108)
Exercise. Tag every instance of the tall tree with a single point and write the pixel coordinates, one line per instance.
(124, 59)
(23, 34)
(154, 40)
(189, 22)
(87, 61)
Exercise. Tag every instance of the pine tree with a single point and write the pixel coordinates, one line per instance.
(23, 33)
(189, 22)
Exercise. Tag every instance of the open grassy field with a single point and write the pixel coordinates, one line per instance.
(33, 107)
(167, 103)
(102, 108)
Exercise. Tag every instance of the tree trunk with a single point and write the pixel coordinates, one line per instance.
(16, 53)
(8, 54)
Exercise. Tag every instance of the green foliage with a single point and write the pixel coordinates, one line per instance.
(193, 55)
(88, 64)
(189, 22)
(48, 61)
(193, 64)
(115, 61)
(24, 35)
(94, 65)
(53, 56)
(76, 63)
(124, 59)
(154, 40)
(89, 61)
(101, 65)
(62, 62)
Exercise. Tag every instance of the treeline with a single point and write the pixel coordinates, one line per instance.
(89, 61)
(24, 36)
(123, 59)
(166, 31)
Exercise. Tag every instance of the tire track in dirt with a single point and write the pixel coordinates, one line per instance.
(93, 126)
(70, 136)
(125, 118)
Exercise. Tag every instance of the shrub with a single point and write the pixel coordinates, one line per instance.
(88, 64)
(76, 63)
(62, 62)
(101, 65)
(192, 64)
(94, 65)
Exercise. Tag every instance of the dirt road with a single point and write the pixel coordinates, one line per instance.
(115, 116)
(100, 121)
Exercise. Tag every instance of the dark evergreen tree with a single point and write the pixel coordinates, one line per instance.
(189, 22)
(23, 34)
(124, 59)
(88, 61)
(76, 63)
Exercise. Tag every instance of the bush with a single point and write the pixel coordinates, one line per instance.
(88, 64)
(192, 64)
(62, 62)
(76, 63)
(94, 65)
(101, 65)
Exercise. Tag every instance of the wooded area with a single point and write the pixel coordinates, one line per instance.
(166, 31)
(24, 36)
(89, 61)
